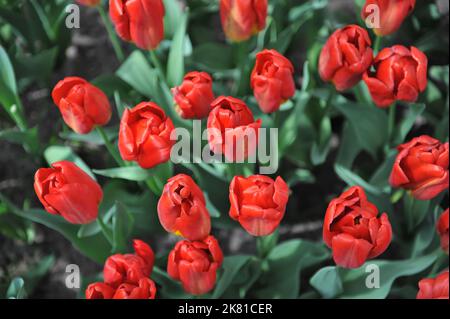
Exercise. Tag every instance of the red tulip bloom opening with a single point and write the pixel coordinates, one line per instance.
(81, 104)
(392, 14)
(434, 288)
(421, 167)
(89, 3)
(353, 229)
(258, 203)
(241, 19)
(399, 74)
(232, 129)
(195, 264)
(144, 135)
(182, 209)
(272, 80)
(66, 190)
(139, 21)
(126, 276)
(442, 229)
(194, 96)
(345, 57)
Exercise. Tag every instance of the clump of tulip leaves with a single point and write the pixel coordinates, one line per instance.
(309, 124)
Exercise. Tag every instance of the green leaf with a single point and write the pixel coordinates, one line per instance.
(353, 179)
(175, 63)
(16, 289)
(327, 282)
(213, 56)
(7, 76)
(58, 153)
(95, 247)
(92, 138)
(172, 17)
(122, 225)
(230, 269)
(407, 123)
(285, 262)
(170, 289)
(130, 173)
(415, 211)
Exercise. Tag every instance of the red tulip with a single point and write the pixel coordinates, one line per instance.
(89, 3)
(400, 74)
(182, 209)
(392, 13)
(144, 289)
(139, 21)
(345, 57)
(258, 203)
(194, 96)
(434, 288)
(99, 290)
(421, 167)
(353, 230)
(232, 129)
(144, 135)
(129, 268)
(66, 190)
(81, 104)
(195, 264)
(442, 228)
(242, 19)
(272, 80)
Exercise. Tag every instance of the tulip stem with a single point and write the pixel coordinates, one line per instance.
(391, 123)
(112, 35)
(377, 44)
(109, 146)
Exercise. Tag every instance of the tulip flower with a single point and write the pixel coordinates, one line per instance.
(258, 203)
(194, 96)
(129, 268)
(182, 209)
(89, 3)
(144, 135)
(195, 264)
(232, 129)
(82, 105)
(145, 289)
(241, 19)
(139, 21)
(442, 229)
(345, 57)
(436, 288)
(391, 13)
(272, 80)
(399, 74)
(66, 190)
(353, 229)
(421, 167)
(126, 276)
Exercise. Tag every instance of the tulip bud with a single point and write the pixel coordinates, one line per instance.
(89, 3)
(66, 190)
(258, 203)
(442, 228)
(195, 264)
(232, 122)
(194, 96)
(272, 80)
(144, 135)
(139, 21)
(399, 74)
(421, 167)
(391, 13)
(81, 104)
(99, 290)
(345, 57)
(144, 289)
(436, 288)
(353, 230)
(242, 19)
(182, 209)
(129, 268)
